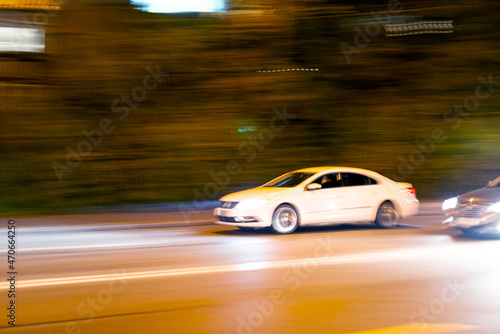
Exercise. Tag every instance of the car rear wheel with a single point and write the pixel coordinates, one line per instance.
(387, 216)
(285, 219)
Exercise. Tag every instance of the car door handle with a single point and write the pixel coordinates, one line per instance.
(338, 196)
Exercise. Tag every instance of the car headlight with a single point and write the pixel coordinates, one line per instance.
(450, 203)
(251, 204)
(495, 207)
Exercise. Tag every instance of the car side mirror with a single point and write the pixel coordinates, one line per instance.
(313, 186)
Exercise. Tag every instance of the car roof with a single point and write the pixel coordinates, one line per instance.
(334, 169)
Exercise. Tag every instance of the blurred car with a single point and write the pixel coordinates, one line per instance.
(319, 196)
(476, 212)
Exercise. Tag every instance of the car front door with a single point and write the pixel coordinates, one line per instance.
(328, 203)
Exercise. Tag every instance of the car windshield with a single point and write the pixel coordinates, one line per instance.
(288, 180)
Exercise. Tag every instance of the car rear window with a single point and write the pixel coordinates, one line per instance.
(353, 179)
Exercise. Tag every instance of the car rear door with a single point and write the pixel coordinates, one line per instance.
(363, 195)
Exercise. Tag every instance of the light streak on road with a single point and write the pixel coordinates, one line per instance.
(390, 255)
(421, 328)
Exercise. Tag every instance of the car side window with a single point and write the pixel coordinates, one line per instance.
(353, 179)
(333, 180)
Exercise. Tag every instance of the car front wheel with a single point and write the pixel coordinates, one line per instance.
(387, 216)
(285, 219)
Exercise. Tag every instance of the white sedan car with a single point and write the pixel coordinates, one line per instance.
(319, 196)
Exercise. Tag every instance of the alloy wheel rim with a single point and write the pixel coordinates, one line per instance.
(286, 220)
(388, 216)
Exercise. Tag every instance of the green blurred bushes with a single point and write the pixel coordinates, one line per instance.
(367, 113)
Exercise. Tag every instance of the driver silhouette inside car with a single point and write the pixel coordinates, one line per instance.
(327, 182)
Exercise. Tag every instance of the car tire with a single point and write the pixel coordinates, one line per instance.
(245, 229)
(285, 219)
(387, 216)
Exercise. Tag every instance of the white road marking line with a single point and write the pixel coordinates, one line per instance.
(428, 252)
(166, 242)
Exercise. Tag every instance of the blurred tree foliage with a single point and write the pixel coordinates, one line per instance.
(228, 75)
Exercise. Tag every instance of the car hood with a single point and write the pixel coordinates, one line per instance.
(483, 195)
(255, 193)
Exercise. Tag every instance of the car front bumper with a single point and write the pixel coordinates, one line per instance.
(243, 218)
(483, 224)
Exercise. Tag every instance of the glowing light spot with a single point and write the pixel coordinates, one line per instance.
(161, 6)
(251, 266)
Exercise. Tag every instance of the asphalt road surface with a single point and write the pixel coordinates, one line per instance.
(157, 278)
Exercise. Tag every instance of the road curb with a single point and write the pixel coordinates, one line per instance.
(109, 227)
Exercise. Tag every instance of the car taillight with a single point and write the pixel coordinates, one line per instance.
(412, 191)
